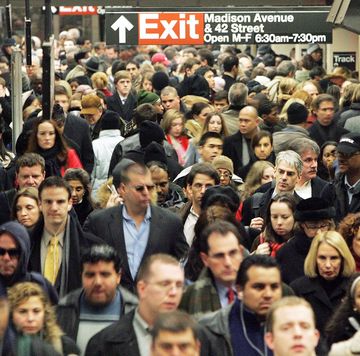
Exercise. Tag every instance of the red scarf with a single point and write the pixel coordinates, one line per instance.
(274, 246)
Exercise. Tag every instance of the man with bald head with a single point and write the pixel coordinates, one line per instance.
(238, 146)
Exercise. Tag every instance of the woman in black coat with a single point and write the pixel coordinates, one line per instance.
(312, 215)
(346, 320)
(328, 267)
(79, 180)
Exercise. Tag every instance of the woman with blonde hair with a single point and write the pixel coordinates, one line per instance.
(173, 124)
(261, 172)
(328, 268)
(146, 83)
(287, 86)
(100, 80)
(32, 315)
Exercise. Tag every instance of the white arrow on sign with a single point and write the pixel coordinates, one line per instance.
(122, 24)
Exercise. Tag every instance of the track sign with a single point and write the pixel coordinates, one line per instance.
(345, 59)
(145, 26)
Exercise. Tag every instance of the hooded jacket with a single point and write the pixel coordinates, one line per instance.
(21, 274)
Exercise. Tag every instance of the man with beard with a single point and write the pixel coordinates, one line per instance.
(101, 301)
(159, 286)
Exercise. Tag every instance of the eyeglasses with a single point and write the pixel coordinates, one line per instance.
(169, 285)
(317, 227)
(224, 174)
(346, 155)
(12, 252)
(141, 188)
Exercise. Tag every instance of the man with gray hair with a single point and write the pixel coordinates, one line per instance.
(309, 185)
(238, 93)
(284, 69)
(288, 169)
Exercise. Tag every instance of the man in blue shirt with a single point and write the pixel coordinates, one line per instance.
(137, 229)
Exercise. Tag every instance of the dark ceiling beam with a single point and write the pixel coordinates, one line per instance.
(175, 3)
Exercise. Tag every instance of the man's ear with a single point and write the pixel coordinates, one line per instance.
(120, 189)
(204, 258)
(317, 336)
(118, 277)
(269, 340)
(239, 292)
(140, 286)
(69, 205)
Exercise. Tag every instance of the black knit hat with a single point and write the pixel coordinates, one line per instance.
(194, 85)
(155, 152)
(314, 209)
(110, 121)
(297, 113)
(220, 195)
(160, 80)
(150, 131)
(80, 55)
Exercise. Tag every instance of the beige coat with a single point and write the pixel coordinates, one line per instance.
(346, 348)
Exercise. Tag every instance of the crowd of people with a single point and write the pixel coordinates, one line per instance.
(180, 201)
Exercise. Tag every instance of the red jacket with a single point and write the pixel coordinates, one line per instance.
(73, 161)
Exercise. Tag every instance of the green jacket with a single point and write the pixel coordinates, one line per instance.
(201, 297)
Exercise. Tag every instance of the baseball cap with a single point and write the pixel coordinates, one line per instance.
(160, 58)
(349, 143)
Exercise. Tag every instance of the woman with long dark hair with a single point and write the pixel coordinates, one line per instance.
(279, 225)
(79, 181)
(196, 118)
(350, 228)
(47, 141)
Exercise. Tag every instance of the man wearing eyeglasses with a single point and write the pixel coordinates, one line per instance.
(137, 229)
(221, 254)
(14, 259)
(159, 286)
(345, 191)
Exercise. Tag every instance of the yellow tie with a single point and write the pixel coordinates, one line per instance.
(52, 260)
